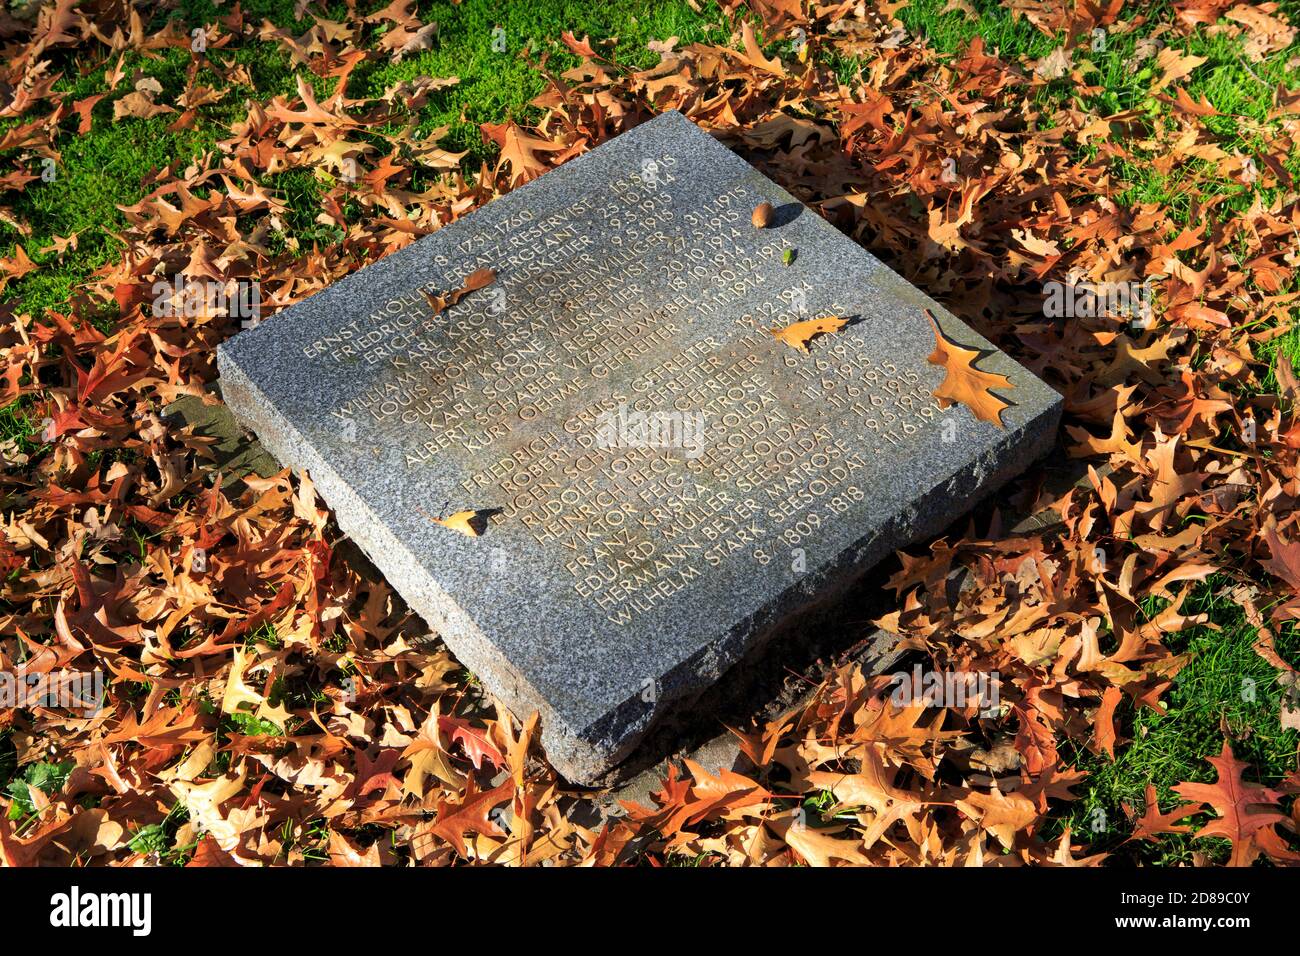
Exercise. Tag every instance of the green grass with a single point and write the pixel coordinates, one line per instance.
(18, 427)
(158, 840)
(1004, 34)
(1226, 687)
(1287, 344)
(43, 775)
(98, 173)
(106, 168)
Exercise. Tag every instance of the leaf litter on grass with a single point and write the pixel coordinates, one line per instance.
(269, 701)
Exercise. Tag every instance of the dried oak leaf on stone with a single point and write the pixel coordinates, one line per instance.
(964, 383)
(470, 523)
(476, 280)
(799, 334)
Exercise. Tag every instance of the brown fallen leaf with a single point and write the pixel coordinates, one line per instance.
(1288, 386)
(1104, 737)
(1055, 65)
(1002, 814)
(1174, 66)
(519, 151)
(402, 41)
(753, 54)
(798, 334)
(1265, 32)
(581, 47)
(209, 854)
(1284, 559)
(517, 746)
(819, 848)
(471, 813)
(344, 852)
(476, 280)
(1243, 808)
(1153, 822)
(965, 383)
(479, 278)
(469, 523)
(140, 103)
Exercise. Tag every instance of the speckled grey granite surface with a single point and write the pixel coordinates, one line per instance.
(614, 584)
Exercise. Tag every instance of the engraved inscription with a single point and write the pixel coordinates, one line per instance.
(517, 379)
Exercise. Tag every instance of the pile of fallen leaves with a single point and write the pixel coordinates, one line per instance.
(271, 702)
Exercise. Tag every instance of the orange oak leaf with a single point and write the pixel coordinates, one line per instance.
(820, 848)
(479, 278)
(1170, 484)
(1153, 821)
(1104, 738)
(517, 747)
(1243, 808)
(754, 53)
(166, 727)
(1284, 560)
(472, 815)
(965, 383)
(475, 741)
(476, 280)
(209, 854)
(1002, 814)
(343, 852)
(469, 523)
(1174, 66)
(580, 47)
(798, 334)
(519, 150)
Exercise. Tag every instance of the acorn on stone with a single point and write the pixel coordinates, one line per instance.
(762, 215)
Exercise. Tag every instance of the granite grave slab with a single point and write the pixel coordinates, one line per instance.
(663, 484)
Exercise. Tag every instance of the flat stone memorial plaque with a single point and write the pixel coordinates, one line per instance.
(664, 481)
